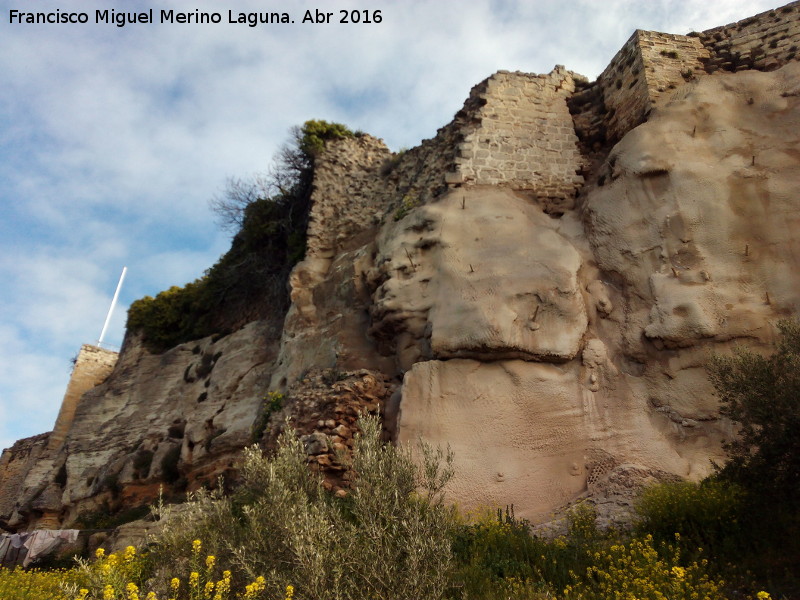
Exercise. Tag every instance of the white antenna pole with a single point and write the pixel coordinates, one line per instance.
(111, 308)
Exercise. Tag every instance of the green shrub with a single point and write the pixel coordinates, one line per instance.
(270, 404)
(389, 538)
(706, 515)
(269, 216)
(314, 134)
(762, 395)
(497, 557)
(408, 203)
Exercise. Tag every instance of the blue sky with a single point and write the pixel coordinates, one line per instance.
(113, 140)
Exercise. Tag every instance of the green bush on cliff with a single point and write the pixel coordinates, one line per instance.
(269, 215)
(314, 134)
(762, 395)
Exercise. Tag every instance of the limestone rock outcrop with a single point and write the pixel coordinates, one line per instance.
(176, 420)
(538, 286)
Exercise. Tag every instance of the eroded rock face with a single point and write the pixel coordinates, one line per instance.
(693, 244)
(699, 214)
(481, 273)
(178, 419)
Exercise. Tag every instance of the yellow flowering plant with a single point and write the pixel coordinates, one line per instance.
(35, 584)
(637, 570)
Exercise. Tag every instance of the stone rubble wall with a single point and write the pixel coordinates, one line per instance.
(92, 366)
(648, 65)
(344, 205)
(359, 182)
(524, 137)
(324, 407)
(763, 42)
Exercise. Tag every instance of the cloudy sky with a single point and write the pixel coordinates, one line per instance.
(112, 140)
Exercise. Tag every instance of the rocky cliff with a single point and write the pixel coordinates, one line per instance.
(538, 286)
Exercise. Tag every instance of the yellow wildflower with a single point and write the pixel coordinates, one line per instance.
(174, 585)
(210, 560)
(762, 595)
(100, 553)
(679, 572)
(253, 589)
(82, 593)
(194, 578)
(132, 589)
(108, 592)
(196, 546)
(209, 589)
(289, 592)
(130, 553)
(223, 586)
(151, 596)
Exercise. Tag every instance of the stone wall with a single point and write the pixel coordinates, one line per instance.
(649, 64)
(359, 182)
(523, 137)
(92, 365)
(763, 42)
(622, 87)
(346, 182)
(514, 130)
(669, 61)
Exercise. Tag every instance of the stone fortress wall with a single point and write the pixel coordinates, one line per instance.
(522, 130)
(524, 137)
(92, 366)
(650, 64)
(515, 130)
(763, 42)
